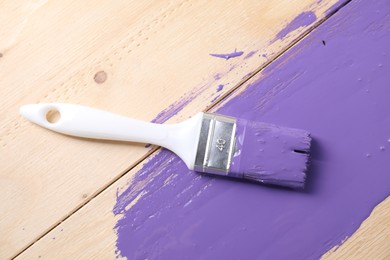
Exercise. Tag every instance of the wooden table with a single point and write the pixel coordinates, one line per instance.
(143, 59)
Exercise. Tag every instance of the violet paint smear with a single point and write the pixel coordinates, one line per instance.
(302, 20)
(227, 56)
(250, 54)
(176, 107)
(338, 92)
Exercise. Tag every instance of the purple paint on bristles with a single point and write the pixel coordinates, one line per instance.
(178, 214)
(227, 56)
(271, 154)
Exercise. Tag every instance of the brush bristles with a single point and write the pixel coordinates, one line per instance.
(271, 154)
(295, 175)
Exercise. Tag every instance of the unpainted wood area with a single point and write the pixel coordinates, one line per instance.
(126, 57)
(370, 241)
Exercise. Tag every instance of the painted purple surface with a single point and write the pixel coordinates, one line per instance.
(227, 56)
(334, 8)
(271, 154)
(302, 20)
(338, 92)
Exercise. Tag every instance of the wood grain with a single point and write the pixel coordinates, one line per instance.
(89, 233)
(370, 241)
(131, 57)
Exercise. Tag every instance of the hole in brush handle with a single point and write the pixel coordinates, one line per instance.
(53, 116)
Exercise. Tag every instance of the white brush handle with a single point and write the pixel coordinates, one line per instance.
(82, 121)
(88, 122)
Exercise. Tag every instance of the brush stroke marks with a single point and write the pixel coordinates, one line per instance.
(250, 54)
(186, 99)
(303, 20)
(227, 56)
(176, 107)
(219, 88)
(340, 94)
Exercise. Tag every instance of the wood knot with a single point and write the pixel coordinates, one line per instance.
(100, 77)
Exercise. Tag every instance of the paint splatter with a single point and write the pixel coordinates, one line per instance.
(220, 87)
(227, 56)
(303, 20)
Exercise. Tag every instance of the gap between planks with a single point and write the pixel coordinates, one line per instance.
(215, 103)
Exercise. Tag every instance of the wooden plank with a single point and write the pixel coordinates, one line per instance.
(370, 241)
(55, 51)
(89, 234)
(79, 236)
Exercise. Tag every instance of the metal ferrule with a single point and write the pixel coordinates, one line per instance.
(216, 144)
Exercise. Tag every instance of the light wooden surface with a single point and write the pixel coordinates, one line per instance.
(154, 54)
(370, 241)
(89, 232)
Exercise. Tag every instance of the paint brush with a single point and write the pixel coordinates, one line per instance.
(207, 143)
